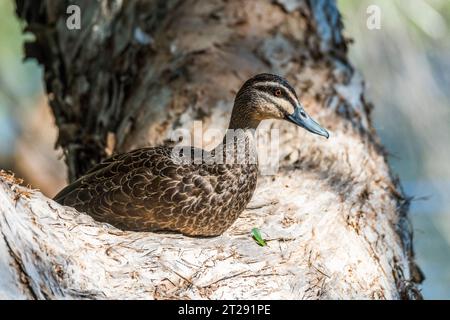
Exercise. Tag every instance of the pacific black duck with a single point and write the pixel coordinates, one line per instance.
(163, 189)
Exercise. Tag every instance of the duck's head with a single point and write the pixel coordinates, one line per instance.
(268, 96)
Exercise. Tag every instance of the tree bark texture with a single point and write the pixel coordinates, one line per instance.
(334, 215)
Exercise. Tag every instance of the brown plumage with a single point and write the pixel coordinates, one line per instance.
(167, 189)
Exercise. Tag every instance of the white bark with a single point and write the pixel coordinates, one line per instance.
(331, 230)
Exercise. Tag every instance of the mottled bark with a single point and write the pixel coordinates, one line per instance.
(136, 71)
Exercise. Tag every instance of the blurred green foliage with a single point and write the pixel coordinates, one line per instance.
(19, 82)
(406, 65)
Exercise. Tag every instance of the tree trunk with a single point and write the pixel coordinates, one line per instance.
(334, 216)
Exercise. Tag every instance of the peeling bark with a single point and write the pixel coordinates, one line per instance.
(137, 70)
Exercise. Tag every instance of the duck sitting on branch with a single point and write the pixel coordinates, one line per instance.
(168, 189)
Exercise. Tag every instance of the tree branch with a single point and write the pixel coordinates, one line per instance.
(337, 222)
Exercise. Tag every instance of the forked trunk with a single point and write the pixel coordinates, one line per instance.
(334, 216)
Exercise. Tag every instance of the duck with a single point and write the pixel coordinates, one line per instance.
(189, 190)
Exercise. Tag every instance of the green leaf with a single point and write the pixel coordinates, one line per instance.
(256, 234)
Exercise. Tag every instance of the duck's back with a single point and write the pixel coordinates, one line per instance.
(149, 190)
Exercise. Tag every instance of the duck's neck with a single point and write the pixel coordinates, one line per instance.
(239, 143)
(242, 120)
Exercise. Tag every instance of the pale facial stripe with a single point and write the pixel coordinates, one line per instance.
(286, 102)
(285, 106)
(274, 84)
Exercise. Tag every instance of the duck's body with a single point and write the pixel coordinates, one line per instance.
(148, 189)
(182, 190)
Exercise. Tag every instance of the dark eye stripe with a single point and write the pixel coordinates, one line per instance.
(271, 90)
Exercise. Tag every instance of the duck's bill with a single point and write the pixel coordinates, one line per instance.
(302, 119)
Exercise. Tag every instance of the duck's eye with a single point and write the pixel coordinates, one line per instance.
(277, 92)
(303, 113)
